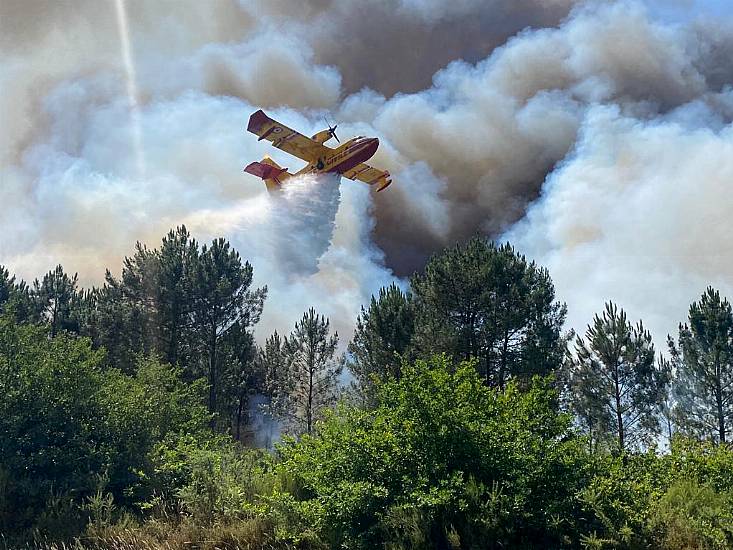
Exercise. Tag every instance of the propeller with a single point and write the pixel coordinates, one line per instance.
(332, 130)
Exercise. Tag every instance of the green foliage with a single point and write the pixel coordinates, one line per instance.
(487, 302)
(444, 454)
(15, 299)
(278, 382)
(7, 286)
(191, 305)
(174, 267)
(308, 382)
(649, 500)
(222, 302)
(382, 337)
(98, 434)
(704, 363)
(693, 517)
(616, 501)
(615, 383)
(225, 484)
(65, 422)
(54, 299)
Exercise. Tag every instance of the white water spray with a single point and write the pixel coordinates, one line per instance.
(132, 92)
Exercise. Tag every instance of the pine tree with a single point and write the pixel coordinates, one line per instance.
(309, 353)
(275, 373)
(588, 407)
(7, 285)
(177, 261)
(53, 299)
(615, 381)
(221, 299)
(120, 325)
(137, 292)
(669, 409)
(84, 312)
(486, 302)
(703, 361)
(15, 299)
(240, 377)
(383, 336)
(125, 316)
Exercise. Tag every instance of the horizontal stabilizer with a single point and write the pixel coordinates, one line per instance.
(265, 171)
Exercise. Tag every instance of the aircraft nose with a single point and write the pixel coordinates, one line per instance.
(371, 145)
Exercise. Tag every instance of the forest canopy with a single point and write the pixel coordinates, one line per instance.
(462, 413)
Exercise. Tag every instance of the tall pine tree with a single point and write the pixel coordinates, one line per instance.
(15, 298)
(277, 381)
(383, 336)
(222, 299)
(615, 381)
(177, 261)
(7, 286)
(703, 361)
(488, 302)
(309, 353)
(53, 300)
(240, 377)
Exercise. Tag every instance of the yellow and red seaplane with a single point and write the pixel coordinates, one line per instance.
(347, 160)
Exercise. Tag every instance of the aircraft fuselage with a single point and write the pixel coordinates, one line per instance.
(346, 156)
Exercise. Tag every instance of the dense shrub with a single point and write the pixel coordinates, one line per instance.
(71, 430)
(691, 516)
(661, 500)
(442, 460)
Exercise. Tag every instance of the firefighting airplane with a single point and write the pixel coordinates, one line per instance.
(346, 160)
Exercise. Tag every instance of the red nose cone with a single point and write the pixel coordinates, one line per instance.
(371, 147)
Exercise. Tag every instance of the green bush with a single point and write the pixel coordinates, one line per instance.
(442, 460)
(630, 498)
(66, 423)
(226, 485)
(691, 516)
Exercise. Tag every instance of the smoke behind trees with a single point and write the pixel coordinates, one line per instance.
(595, 135)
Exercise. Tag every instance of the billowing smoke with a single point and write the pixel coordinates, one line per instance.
(492, 131)
(592, 133)
(640, 213)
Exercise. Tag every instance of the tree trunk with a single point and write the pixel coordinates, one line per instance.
(212, 372)
(619, 416)
(239, 418)
(54, 317)
(720, 412)
(309, 411)
(504, 351)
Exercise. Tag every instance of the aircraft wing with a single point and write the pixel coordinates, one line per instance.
(369, 175)
(284, 138)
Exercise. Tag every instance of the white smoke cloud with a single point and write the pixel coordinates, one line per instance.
(640, 214)
(77, 200)
(310, 245)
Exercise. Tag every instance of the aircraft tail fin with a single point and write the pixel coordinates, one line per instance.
(271, 173)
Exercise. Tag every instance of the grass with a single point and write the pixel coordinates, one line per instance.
(252, 534)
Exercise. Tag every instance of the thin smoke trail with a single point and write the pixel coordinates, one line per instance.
(131, 78)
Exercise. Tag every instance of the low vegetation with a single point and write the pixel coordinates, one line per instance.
(473, 421)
